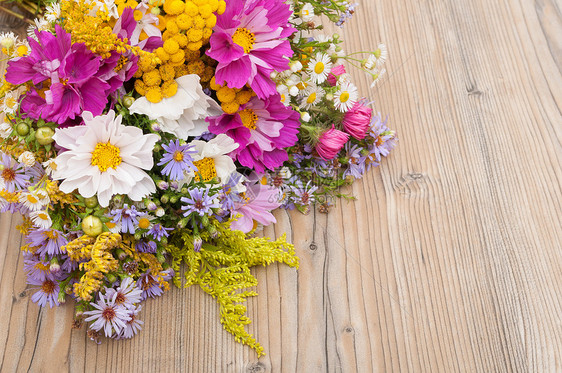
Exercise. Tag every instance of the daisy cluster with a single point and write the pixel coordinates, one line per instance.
(141, 136)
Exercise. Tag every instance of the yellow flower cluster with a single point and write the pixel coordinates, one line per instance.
(97, 250)
(95, 31)
(231, 98)
(187, 26)
(57, 196)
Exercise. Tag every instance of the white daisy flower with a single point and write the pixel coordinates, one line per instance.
(377, 74)
(21, 49)
(319, 68)
(113, 227)
(105, 158)
(381, 53)
(184, 113)
(322, 38)
(41, 24)
(10, 103)
(41, 219)
(145, 221)
(8, 39)
(283, 91)
(307, 12)
(212, 159)
(27, 159)
(5, 130)
(50, 166)
(31, 200)
(52, 12)
(43, 196)
(312, 96)
(346, 96)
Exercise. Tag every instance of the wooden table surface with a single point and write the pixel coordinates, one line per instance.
(449, 260)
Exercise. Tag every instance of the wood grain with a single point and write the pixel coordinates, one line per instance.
(450, 259)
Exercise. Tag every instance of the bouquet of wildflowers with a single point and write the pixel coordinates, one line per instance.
(144, 142)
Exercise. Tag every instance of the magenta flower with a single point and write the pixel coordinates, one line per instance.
(330, 143)
(334, 73)
(249, 42)
(73, 71)
(357, 121)
(263, 129)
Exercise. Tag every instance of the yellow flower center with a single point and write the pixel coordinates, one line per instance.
(144, 223)
(344, 96)
(31, 199)
(301, 85)
(43, 216)
(137, 15)
(110, 225)
(178, 156)
(105, 156)
(283, 98)
(205, 167)
(21, 50)
(244, 38)
(249, 118)
(319, 67)
(42, 267)
(10, 102)
(311, 98)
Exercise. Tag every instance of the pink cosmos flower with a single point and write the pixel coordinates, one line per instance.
(255, 204)
(357, 121)
(263, 129)
(334, 73)
(249, 42)
(330, 143)
(72, 70)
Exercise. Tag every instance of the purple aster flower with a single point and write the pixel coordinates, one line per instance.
(158, 231)
(12, 174)
(47, 241)
(127, 216)
(384, 141)
(72, 69)
(126, 295)
(249, 41)
(48, 291)
(143, 246)
(199, 201)
(108, 315)
(263, 129)
(151, 286)
(356, 162)
(133, 326)
(36, 268)
(177, 159)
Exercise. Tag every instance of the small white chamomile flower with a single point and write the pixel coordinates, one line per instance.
(41, 219)
(346, 96)
(31, 200)
(312, 97)
(27, 159)
(377, 75)
(53, 12)
(307, 12)
(50, 166)
(9, 103)
(8, 39)
(284, 94)
(320, 67)
(5, 130)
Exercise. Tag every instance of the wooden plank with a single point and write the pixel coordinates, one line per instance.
(449, 260)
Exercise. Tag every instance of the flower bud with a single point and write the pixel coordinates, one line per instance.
(44, 135)
(197, 243)
(91, 202)
(92, 225)
(22, 129)
(128, 101)
(160, 212)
